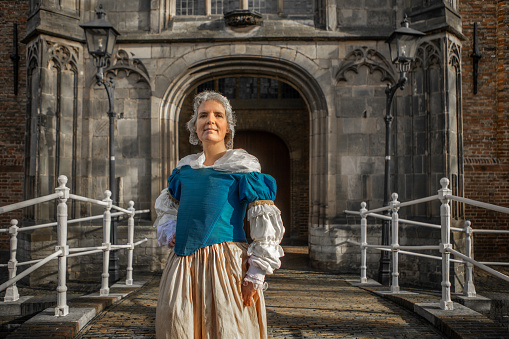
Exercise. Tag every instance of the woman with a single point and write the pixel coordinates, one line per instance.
(212, 285)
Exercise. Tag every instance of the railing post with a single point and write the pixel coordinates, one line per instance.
(11, 293)
(130, 241)
(469, 290)
(445, 217)
(105, 289)
(395, 243)
(62, 309)
(364, 232)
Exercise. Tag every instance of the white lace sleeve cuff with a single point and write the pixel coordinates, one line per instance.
(166, 208)
(267, 231)
(166, 222)
(166, 231)
(256, 276)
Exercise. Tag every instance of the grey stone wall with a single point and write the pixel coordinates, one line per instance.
(132, 139)
(128, 16)
(354, 14)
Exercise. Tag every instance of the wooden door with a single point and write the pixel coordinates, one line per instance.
(274, 158)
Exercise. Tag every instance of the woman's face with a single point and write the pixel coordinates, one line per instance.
(211, 122)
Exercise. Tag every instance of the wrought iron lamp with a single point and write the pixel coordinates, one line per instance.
(403, 44)
(101, 37)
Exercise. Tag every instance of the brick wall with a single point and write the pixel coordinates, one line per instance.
(485, 121)
(12, 110)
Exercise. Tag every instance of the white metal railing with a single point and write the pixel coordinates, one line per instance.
(62, 250)
(445, 246)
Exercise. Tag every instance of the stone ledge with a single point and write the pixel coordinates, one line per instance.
(477, 303)
(81, 311)
(356, 282)
(14, 308)
(78, 316)
(461, 322)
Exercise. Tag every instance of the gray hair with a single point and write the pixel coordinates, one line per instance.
(199, 99)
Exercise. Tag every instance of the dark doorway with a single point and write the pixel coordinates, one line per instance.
(274, 158)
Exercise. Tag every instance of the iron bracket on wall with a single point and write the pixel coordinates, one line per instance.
(15, 58)
(476, 56)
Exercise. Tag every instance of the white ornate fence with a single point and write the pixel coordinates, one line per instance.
(62, 250)
(445, 246)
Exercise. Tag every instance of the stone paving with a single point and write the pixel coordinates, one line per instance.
(307, 304)
(301, 303)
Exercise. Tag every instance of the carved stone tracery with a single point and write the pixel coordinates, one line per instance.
(369, 58)
(454, 54)
(124, 60)
(34, 54)
(62, 57)
(428, 53)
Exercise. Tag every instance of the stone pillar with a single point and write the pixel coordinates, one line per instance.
(52, 138)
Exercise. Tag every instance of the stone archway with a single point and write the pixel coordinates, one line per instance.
(270, 113)
(298, 71)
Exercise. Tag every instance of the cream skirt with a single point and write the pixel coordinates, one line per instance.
(200, 296)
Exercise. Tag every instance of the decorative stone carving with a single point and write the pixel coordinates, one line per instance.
(124, 60)
(242, 18)
(454, 53)
(33, 54)
(368, 57)
(428, 53)
(62, 57)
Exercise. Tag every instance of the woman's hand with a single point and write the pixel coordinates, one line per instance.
(171, 243)
(248, 292)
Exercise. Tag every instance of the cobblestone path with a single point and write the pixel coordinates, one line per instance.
(300, 304)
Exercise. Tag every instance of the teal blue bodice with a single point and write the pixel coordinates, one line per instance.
(213, 205)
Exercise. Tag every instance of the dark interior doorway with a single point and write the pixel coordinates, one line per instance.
(274, 158)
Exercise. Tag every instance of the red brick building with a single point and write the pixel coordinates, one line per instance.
(13, 15)
(486, 121)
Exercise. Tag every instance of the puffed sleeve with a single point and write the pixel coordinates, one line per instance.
(166, 207)
(267, 228)
(174, 184)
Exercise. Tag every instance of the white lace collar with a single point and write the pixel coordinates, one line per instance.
(234, 160)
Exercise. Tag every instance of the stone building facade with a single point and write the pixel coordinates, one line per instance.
(307, 80)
